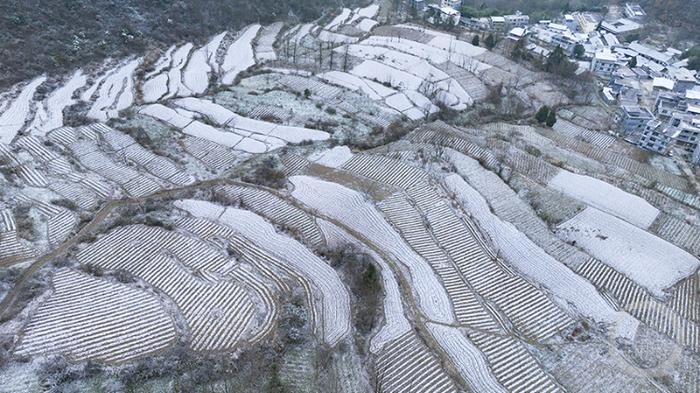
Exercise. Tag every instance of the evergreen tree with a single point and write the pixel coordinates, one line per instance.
(490, 41)
(633, 62)
(475, 40)
(551, 118)
(542, 113)
(579, 51)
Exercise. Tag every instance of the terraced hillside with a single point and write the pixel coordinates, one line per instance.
(281, 209)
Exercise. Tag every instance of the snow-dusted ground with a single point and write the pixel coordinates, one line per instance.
(50, 116)
(333, 158)
(354, 211)
(646, 259)
(605, 197)
(374, 90)
(537, 265)
(335, 300)
(15, 115)
(470, 362)
(239, 55)
(115, 93)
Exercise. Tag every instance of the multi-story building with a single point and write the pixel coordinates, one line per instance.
(516, 20)
(687, 135)
(661, 58)
(604, 63)
(657, 137)
(633, 119)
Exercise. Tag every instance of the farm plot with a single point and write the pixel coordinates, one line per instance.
(127, 148)
(352, 210)
(385, 170)
(646, 259)
(537, 265)
(276, 210)
(218, 315)
(138, 243)
(468, 308)
(49, 115)
(605, 197)
(670, 319)
(201, 65)
(686, 299)
(239, 55)
(334, 298)
(11, 249)
(470, 362)
(510, 208)
(16, 114)
(514, 367)
(116, 92)
(332, 158)
(527, 308)
(395, 323)
(264, 50)
(91, 318)
(407, 366)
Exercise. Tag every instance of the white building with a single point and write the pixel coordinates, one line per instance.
(604, 63)
(634, 11)
(620, 26)
(516, 20)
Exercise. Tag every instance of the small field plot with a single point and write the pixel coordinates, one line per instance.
(333, 296)
(406, 365)
(646, 259)
(91, 318)
(606, 197)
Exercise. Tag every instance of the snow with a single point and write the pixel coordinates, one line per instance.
(395, 322)
(368, 12)
(162, 63)
(212, 48)
(332, 158)
(13, 118)
(205, 131)
(453, 45)
(156, 88)
(62, 97)
(336, 38)
(383, 73)
(239, 55)
(335, 300)
(530, 260)
(264, 46)
(338, 20)
(168, 115)
(115, 93)
(301, 32)
(196, 75)
(470, 362)
(374, 90)
(216, 113)
(351, 209)
(402, 61)
(298, 134)
(605, 197)
(646, 259)
(367, 24)
(175, 86)
(399, 101)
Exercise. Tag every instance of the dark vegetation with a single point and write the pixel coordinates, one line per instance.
(364, 281)
(48, 36)
(546, 116)
(693, 56)
(268, 172)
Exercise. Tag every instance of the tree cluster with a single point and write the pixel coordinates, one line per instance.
(546, 116)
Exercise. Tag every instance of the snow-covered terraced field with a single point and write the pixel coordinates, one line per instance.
(11, 249)
(531, 261)
(407, 366)
(333, 297)
(15, 114)
(514, 367)
(646, 259)
(395, 323)
(470, 362)
(352, 209)
(91, 318)
(639, 303)
(468, 309)
(527, 308)
(218, 314)
(276, 210)
(385, 170)
(605, 197)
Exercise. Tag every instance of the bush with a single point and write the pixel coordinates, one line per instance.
(67, 203)
(330, 111)
(268, 173)
(551, 118)
(542, 113)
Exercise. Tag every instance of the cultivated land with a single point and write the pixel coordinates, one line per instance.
(313, 208)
